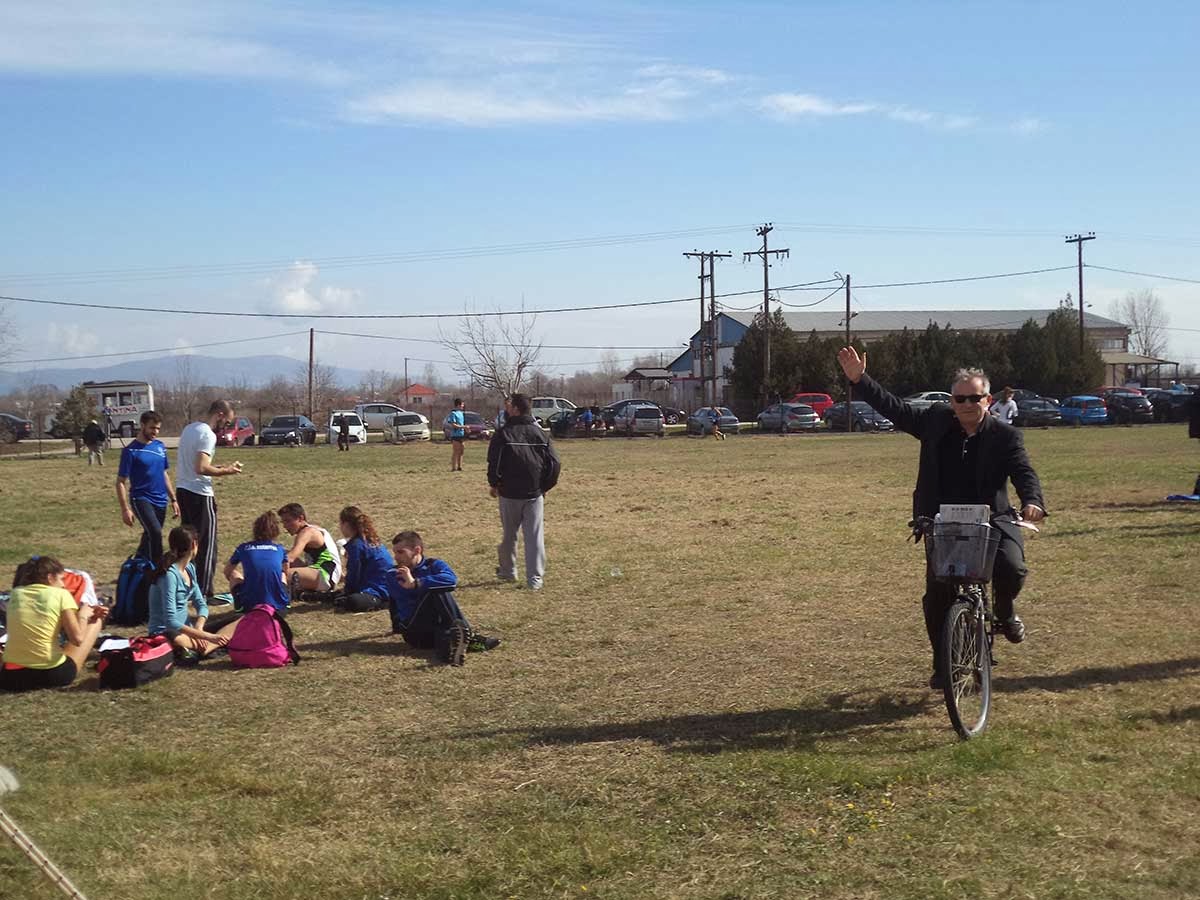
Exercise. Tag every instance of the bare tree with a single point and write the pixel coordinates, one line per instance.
(374, 384)
(326, 392)
(185, 392)
(495, 353)
(8, 333)
(1143, 312)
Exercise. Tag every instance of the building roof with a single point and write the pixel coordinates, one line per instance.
(919, 319)
(420, 390)
(648, 373)
(1122, 358)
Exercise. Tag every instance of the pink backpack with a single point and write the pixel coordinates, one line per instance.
(262, 640)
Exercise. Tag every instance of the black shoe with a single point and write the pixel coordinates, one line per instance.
(481, 642)
(456, 639)
(937, 682)
(186, 659)
(1014, 629)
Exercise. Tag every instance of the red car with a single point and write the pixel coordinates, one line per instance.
(818, 402)
(240, 432)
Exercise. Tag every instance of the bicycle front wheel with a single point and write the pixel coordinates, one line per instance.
(968, 664)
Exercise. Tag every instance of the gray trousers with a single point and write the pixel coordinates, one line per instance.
(525, 515)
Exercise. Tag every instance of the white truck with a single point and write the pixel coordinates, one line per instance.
(121, 404)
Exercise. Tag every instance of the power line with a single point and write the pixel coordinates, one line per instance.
(265, 337)
(894, 284)
(815, 302)
(1144, 274)
(387, 337)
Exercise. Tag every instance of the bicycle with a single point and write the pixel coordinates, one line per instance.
(963, 554)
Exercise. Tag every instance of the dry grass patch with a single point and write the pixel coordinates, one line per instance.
(720, 692)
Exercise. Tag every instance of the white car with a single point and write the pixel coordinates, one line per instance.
(407, 426)
(358, 431)
(378, 416)
(542, 408)
(926, 399)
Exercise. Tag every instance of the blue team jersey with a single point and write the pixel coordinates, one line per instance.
(457, 423)
(369, 569)
(262, 568)
(144, 465)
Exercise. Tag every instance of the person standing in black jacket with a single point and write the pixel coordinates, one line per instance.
(522, 467)
(967, 456)
(94, 438)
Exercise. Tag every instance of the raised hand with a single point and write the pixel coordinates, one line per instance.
(852, 364)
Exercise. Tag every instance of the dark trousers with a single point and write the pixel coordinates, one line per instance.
(362, 602)
(151, 518)
(436, 612)
(200, 511)
(1008, 577)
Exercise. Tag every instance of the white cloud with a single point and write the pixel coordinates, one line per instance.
(687, 73)
(71, 340)
(1029, 125)
(295, 291)
(792, 106)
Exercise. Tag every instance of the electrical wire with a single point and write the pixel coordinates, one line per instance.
(388, 337)
(894, 284)
(815, 302)
(265, 337)
(1143, 274)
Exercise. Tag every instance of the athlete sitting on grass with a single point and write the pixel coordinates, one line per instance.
(314, 562)
(255, 571)
(368, 563)
(39, 610)
(423, 607)
(174, 587)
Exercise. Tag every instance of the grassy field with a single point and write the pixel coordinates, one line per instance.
(720, 693)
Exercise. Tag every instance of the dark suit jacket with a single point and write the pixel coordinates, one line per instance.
(1001, 453)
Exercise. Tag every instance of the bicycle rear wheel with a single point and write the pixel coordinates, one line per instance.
(968, 675)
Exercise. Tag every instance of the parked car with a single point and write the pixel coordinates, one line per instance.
(407, 426)
(926, 399)
(785, 417)
(358, 431)
(14, 428)
(569, 423)
(647, 419)
(1126, 406)
(818, 402)
(1035, 411)
(672, 415)
(1169, 406)
(289, 430)
(239, 433)
(378, 416)
(475, 425)
(701, 421)
(611, 411)
(1084, 409)
(864, 418)
(542, 408)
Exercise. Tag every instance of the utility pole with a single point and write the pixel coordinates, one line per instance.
(406, 385)
(766, 254)
(1077, 240)
(849, 386)
(711, 337)
(311, 332)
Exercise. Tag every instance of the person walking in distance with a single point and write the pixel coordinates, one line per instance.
(344, 433)
(967, 456)
(93, 439)
(144, 486)
(522, 467)
(458, 434)
(1006, 409)
(197, 502)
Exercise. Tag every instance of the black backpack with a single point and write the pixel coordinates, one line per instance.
(133, 592)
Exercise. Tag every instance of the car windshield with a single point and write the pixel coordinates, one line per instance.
(647, 412)
(725, 412)
(411, 419)
(284, 422)
(861, 406)
(800, 410)
(350, 420)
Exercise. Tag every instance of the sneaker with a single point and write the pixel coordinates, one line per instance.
(456, 643)
(481, 642)
(1014, 629)
(503, 577)
(186, 659)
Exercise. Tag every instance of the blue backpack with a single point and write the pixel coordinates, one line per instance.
(133, 592)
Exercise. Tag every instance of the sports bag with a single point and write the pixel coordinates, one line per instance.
(145, 659)
(133, 592)
(262, 640)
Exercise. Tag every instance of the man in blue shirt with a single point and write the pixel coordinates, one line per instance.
(458, 434)
(144, 486)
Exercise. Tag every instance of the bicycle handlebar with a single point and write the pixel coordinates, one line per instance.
(923, 525)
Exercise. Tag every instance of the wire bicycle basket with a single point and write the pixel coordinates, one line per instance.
(961, 552)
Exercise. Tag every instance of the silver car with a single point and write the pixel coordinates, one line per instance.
(646, 420)
(926, 399)
(408, 427)
(786, 417)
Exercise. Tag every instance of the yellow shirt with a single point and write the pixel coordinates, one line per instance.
(34, 612)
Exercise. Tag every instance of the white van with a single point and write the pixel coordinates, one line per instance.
(358, 431)
(378, 415)
(542, 408)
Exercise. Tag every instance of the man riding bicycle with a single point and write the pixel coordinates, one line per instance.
(967, 456)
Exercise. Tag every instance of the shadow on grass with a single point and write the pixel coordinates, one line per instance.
(714, 733)
(1094, 675)
(1157, 529)
(1173, 716)
(1142, 506)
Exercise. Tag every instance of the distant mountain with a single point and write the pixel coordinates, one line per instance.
(163, 370)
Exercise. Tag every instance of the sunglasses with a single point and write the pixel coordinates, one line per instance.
(968, 398)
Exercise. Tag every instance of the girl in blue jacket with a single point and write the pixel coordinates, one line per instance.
(368, 563)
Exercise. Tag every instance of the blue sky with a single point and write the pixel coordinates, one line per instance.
(896, 142)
